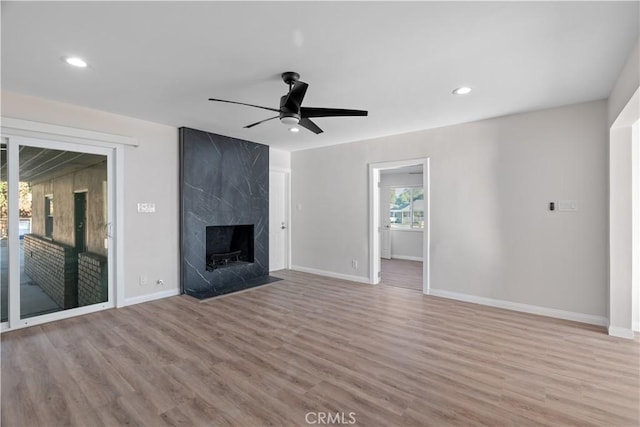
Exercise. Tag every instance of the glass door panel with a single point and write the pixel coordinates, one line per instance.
(63, 230)
(4, 242)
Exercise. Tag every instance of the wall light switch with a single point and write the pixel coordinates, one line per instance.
(146, 207)
(567, 205)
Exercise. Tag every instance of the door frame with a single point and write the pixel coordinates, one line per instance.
(385, 225)
(287, 213)
(58, 137)
(374, 218)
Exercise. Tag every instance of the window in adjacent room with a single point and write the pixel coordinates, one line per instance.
(406, 207)
(48, 216)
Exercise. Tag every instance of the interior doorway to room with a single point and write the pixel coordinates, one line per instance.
(402, 226)
(399, 226)
(278, 220)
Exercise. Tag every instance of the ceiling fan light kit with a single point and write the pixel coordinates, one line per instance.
(291, 111)
(290, 120)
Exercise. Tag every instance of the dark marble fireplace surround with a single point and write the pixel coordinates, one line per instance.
(224, 182)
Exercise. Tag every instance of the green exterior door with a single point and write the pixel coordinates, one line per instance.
(80, 215)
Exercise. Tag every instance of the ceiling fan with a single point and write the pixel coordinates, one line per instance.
(291, 111)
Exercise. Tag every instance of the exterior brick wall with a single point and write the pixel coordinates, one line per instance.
(53, 267)
(92, 279)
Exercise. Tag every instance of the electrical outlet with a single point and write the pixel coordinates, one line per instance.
(160, 282)
(354, 264)
(144, 281)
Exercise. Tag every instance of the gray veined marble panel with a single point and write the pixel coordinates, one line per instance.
(224, 181)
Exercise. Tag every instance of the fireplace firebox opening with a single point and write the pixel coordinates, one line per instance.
(229, 245)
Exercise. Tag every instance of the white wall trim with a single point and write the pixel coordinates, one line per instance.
(525, 308)
(151, 297)
(407, 257)
(118, 186)
(618, 332)
(19, 127)
(325, 273)
(636, 326)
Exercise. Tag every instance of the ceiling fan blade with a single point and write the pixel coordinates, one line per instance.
(261, 121)
(308, 124)
(330, 112)
(242, 103)
(296, 95)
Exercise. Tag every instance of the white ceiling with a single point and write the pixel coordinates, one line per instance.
(160, 61)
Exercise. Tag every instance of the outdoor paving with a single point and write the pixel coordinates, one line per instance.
(33, 301)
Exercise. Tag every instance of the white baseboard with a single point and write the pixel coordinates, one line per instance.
(349, 277)
(525, 308)
(407, 257)
(616, 331)
(636, 326)
(151, 297)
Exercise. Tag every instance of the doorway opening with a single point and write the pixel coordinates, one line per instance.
(400, 223)
(624, 221)
(402, 226)
(55, 218)
(279, 234)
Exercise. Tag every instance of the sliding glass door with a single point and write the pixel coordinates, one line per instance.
(4, 243)
(55, 223)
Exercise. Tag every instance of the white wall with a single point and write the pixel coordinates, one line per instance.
(151, 175)
(405, 244)
(279, 159)
(491, 181)
(626, 84)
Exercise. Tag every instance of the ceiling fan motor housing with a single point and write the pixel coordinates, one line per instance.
(287, 115)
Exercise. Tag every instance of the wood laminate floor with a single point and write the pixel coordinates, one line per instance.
(310, 344)
(401, 273)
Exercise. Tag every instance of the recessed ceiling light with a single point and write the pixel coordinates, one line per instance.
(294, 130)
(75, 61)
(462, 90)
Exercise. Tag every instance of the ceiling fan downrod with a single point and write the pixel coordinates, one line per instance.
(290, 77)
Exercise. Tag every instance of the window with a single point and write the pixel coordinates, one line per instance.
(406, 207)
(48, 216)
